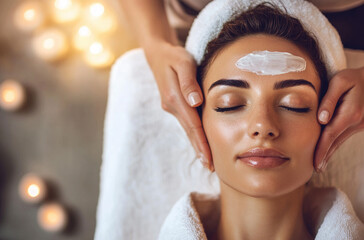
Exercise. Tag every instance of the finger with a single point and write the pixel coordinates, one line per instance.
(338, 86)
(170, 92)
(186, 73)
(192, 124)
(174, 103)
(337, 143)
(330, 134)
(204, 156)
(342, 138)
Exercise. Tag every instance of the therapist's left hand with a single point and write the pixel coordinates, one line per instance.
(344, 106)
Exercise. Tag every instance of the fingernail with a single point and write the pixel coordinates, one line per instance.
(322, 166)
(324, 116)
(212, 168)
(203, 160)
(194, 98)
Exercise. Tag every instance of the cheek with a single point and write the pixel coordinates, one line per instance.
(222, 136)
(301, 137)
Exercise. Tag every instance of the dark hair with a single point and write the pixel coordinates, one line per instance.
(266, 19)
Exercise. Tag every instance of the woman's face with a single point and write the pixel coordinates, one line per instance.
(260, 113)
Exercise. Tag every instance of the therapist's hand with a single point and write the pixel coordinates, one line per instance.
(346, 94)
(175, 72)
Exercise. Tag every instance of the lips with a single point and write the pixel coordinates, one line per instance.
(263, 158)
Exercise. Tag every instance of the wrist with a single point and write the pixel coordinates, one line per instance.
(156, 41)
(155, 47)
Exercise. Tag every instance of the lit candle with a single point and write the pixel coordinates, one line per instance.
(66, 10)
(32, 189)
(83, 38)
(52, 217)
(96, 9)
(100, 19)
(50, 44)
(12, 95)
(99, 56)
(28, 16)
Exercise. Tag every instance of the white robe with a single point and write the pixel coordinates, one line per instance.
(195, 216)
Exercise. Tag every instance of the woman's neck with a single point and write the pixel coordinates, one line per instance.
(244, 217)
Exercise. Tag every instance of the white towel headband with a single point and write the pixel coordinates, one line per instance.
(211, 19)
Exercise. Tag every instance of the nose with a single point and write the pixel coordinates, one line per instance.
(263, 125)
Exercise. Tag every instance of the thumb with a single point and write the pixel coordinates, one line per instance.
(338, 87)
(190, 89)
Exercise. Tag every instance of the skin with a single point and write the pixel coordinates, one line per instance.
(254, 199)
(344, 102)
(174, 70)
(173, 67)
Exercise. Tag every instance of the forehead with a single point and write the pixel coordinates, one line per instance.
(223, 65)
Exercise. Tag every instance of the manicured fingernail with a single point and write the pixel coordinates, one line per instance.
(194, 98)
(212, 168)
(322, 166)
(203, 160)
(324, 116)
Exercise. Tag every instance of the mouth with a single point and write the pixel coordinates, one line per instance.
(263, 158)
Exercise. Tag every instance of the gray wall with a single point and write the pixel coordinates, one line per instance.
(57, 135)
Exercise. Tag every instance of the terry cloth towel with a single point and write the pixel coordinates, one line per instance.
(211, 19)
(147, 161)
(195, 216)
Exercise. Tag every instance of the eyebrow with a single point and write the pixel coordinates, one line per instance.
(292, 83)
(278, 85)
(230, 82)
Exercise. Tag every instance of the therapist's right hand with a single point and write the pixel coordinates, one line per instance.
(175, 72)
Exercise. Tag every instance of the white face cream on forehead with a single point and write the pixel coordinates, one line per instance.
(271, 63)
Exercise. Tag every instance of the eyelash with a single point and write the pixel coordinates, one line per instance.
(218, 109)
(298, 110)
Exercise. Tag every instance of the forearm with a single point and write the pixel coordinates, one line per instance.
(148, 20)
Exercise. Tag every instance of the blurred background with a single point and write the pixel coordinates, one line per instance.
(55, 60)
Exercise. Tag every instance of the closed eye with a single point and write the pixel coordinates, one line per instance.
(299, 110)
(218, 109)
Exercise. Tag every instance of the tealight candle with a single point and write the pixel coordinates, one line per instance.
(28, 16)
(99, 56)
(66, 10)
(50, 44)
(83, 38)
(32, 189)
(12, 95)
(52, 217)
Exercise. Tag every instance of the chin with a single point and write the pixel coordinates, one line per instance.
(269, 187)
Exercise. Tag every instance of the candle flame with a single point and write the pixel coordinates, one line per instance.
(49, 43)
(52, 216)
(63, 4)
(33, 190)
(96, 48)
(9, 96)
(84, 31)
(29, 14)
(97, 9)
